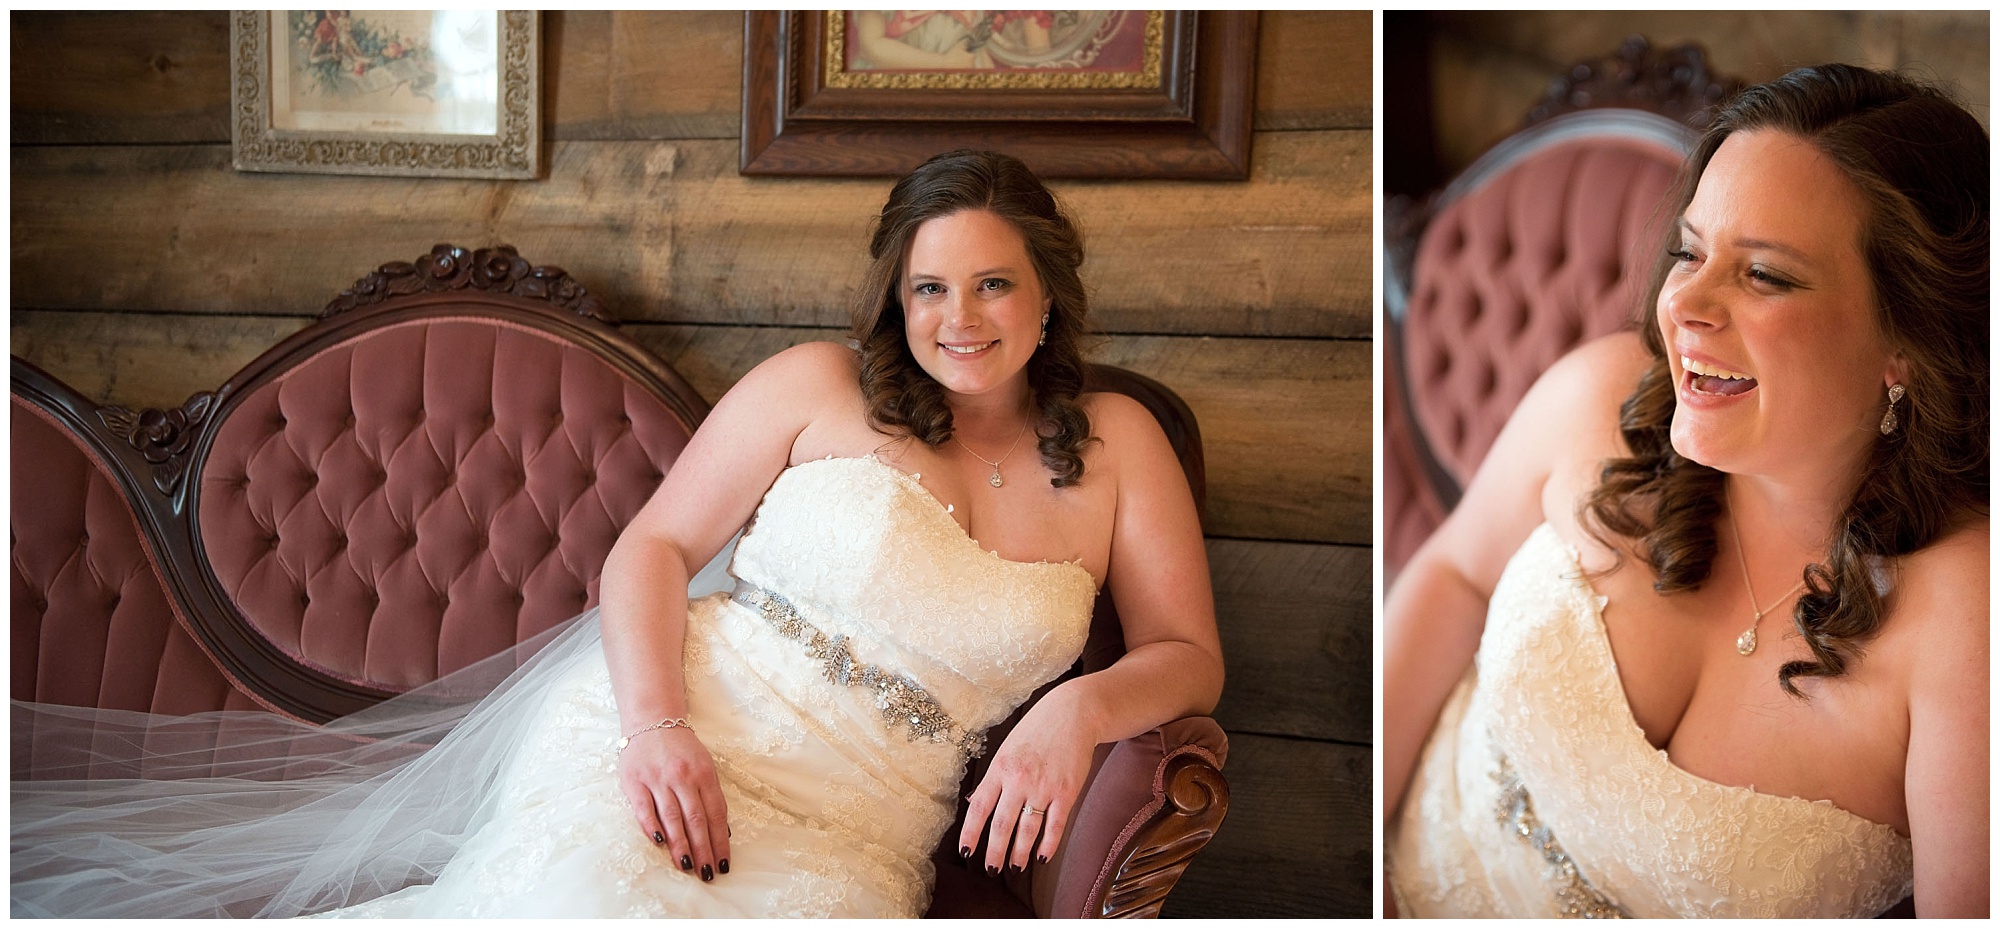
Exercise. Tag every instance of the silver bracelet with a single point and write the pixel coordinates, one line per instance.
(668, 723)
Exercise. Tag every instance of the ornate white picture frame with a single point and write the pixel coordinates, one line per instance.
(428, 93)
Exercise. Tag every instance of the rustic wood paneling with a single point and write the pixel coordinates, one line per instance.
(1297, 638)
(1316, 69)
(670, 232)
(131, 76)
(650, 74)
(643, 74)
(1288, 458)
(1298, 839)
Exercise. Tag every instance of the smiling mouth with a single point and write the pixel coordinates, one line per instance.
(1714, 381)
(968, 349)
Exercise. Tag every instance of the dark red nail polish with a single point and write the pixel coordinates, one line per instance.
(965, 851)
(707, 873)
(658, 838)
(993, 870)
(687, 864)
(1044, 859)
(722, 866)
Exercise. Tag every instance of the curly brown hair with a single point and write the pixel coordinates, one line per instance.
(1919, 161)
(899, 395)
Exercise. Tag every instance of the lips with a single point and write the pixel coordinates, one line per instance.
(1714, 380)
(968, 349)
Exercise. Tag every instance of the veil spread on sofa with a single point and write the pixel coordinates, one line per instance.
(253, 814)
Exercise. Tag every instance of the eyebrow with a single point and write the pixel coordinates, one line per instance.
(1767, 244)
(917, 276)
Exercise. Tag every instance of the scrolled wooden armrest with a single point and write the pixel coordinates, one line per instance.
(1153, 801)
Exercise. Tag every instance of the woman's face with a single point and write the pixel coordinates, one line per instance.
(1768, 314)
(972, 302)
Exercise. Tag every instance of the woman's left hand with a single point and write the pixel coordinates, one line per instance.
(1031, 786)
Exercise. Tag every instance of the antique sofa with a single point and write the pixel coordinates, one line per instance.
(1543, 243)
(431, 473)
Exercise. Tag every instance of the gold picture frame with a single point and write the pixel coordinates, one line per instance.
(1183, 111)
(426, 93)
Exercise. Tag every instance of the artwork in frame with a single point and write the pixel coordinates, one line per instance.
(1089, 93)
(436, 93)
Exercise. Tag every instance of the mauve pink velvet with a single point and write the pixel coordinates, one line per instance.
(91, 624)
(1545, 256)
(460, 481)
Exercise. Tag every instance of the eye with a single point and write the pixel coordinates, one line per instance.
(1768, 279)
(929, 289)
(1680, 254)
(994, 283)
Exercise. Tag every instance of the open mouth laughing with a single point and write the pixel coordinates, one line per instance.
(1715, 381)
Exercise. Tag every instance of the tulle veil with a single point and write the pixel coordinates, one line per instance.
(251, 814)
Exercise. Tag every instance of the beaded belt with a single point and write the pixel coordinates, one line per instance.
(1516, 813)
(905, 704)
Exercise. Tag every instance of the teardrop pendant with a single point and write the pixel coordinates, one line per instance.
(995, 479)
(1747, 642)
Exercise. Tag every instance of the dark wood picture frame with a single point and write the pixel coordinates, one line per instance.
(1194, 125)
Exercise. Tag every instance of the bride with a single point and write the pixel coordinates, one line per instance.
(1737, 663)
(929, 520)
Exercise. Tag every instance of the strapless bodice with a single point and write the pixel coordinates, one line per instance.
(865, 552)
(1539, 795)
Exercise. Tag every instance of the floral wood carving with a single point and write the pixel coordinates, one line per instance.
(162, 437)
(1196, 799)
(499, 269)
(1674, 82)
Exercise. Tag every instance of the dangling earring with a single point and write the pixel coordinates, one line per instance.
(1889, 418)
(1044, 340)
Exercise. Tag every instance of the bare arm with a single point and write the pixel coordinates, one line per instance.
(1172, 667)
(1437, 611)
(1947, 770)
(711, 492)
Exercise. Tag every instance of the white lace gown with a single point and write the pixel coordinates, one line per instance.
(1538, 795)
(837, 792)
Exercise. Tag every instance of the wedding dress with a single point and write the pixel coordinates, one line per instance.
(841, 684)
(1538, 795)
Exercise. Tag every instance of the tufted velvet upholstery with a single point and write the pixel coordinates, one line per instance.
(1543, 244)
(465, 478)
(1547, 255)
(91, 623)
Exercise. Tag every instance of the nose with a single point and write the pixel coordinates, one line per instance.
(959, 312)
(1693, 300)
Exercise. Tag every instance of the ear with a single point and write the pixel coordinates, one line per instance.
(1897, 371)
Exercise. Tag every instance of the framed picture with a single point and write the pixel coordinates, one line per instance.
(1074, 93)
(438, 93)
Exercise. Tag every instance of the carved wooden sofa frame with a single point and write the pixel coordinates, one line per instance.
(471, 419)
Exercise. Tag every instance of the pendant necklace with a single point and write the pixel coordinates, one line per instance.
(995, 479)
(1747, 642)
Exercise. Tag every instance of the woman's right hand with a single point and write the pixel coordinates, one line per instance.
(669, 779)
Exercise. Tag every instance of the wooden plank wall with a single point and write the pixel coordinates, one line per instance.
(145, 269)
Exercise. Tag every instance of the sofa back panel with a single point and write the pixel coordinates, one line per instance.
(427, 493)
(1547, 254)
(92, 625)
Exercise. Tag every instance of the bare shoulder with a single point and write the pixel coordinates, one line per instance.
(1587, 385)
(799, 377)
(1943, 588)
(812, 362)
(1125, 429)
